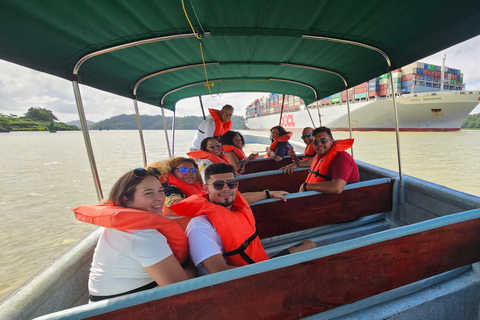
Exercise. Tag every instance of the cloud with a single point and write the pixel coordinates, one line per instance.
(22, 88)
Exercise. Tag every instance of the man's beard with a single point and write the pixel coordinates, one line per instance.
(227, 203)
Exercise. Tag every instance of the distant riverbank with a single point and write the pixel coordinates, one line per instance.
(8, 124)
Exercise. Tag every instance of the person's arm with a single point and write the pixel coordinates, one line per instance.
(167, 271)
(216, 263)
(232, 157)
(306, 163)
(292, 153)
(252, 197)
(331, 187)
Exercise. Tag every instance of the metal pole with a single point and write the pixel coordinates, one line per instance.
(319, 115)
(201, 105)
(397, 131)
(281, 111)
(86, 137)
(166, 134)
(140, 132)
(348, 115)
(173, 134)
(311, 119)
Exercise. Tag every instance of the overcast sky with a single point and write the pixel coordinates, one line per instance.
(22, 88)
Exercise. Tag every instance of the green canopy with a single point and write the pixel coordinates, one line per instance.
(310, 48)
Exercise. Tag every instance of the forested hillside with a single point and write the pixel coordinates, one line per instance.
(472, 122)
(129, 122)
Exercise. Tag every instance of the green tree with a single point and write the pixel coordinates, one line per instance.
(40, 114)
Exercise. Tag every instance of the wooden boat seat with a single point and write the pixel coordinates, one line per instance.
(273, 180)
(266, 164)
(313, 209)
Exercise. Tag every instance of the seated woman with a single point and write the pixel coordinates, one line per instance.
(131, 254)
(180, 179)
(210, 152)
(280, 146)
(232, 144)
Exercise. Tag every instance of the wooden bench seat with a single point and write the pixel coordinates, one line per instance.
(273, 180)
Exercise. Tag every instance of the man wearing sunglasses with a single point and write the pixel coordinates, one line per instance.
(222, 235)
(309, 153)
(215, 126)
(331, 168)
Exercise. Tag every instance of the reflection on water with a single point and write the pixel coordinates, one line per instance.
(44, 175)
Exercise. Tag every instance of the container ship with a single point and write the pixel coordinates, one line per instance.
(429, 98)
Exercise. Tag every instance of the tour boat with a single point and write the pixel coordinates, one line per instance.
(390, 246)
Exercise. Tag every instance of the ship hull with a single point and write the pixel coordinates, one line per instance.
(439, 111)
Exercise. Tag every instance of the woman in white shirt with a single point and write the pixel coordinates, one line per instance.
(127, 261)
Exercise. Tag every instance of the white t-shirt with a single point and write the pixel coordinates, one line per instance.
(120, 258)
(206, 129)
(203, 240)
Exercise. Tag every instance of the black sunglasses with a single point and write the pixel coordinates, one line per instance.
(218, 184)
(142, 173)
(186, 170)
(322, 141)
(308, 135)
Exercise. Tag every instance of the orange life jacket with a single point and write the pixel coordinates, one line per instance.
(238, 152)
(115, 217)
(283, 138)
(236, 227)
(220, 127)
(309, 151)
(200, 154)
(320, 165)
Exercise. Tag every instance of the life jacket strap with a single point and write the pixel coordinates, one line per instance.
(318, 174)
(241, 249)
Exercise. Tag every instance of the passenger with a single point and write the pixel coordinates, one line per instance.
(331, 168)
(210, 152)
(232, 144)
(180, 179)
(132, 260)
(309, 152)
(215, 126)
(224, 222)
(280, 146)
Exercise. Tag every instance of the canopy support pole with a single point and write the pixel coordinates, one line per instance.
(173, 134)
(348, 117)
(311, 119)
(166, 133)
(281, 111)
(201, 105)
(140, 132)
(86, 137)
(319, 115)
(397, 130)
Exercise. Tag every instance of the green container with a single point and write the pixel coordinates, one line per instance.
(335, 100)
(385, 76)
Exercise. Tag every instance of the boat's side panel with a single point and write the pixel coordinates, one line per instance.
(325, 283)
(300, 213)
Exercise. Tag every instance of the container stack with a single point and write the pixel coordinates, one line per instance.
(272, 104)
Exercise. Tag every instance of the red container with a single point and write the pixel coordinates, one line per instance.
(326, 101)
(360, 90)
(372, 93)
(382, 92)
(407, 77)
(382, 87)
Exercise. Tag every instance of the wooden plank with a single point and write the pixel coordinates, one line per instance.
(302, 213)
(265, 165)
(290, 183)
(322, 284)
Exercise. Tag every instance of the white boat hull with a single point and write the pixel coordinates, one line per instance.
(439, 111)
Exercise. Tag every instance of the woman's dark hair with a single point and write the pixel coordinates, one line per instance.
(227, 138)
(281, 131)
(204, 143)
(241, 137)
(127, 185)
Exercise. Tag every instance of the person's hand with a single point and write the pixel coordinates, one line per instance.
(289, 169)
(279, 194)
(253, 156)
(291, 153)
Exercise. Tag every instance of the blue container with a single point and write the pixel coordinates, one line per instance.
(406, 84)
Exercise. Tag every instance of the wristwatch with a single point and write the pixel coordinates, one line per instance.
(267, 192)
